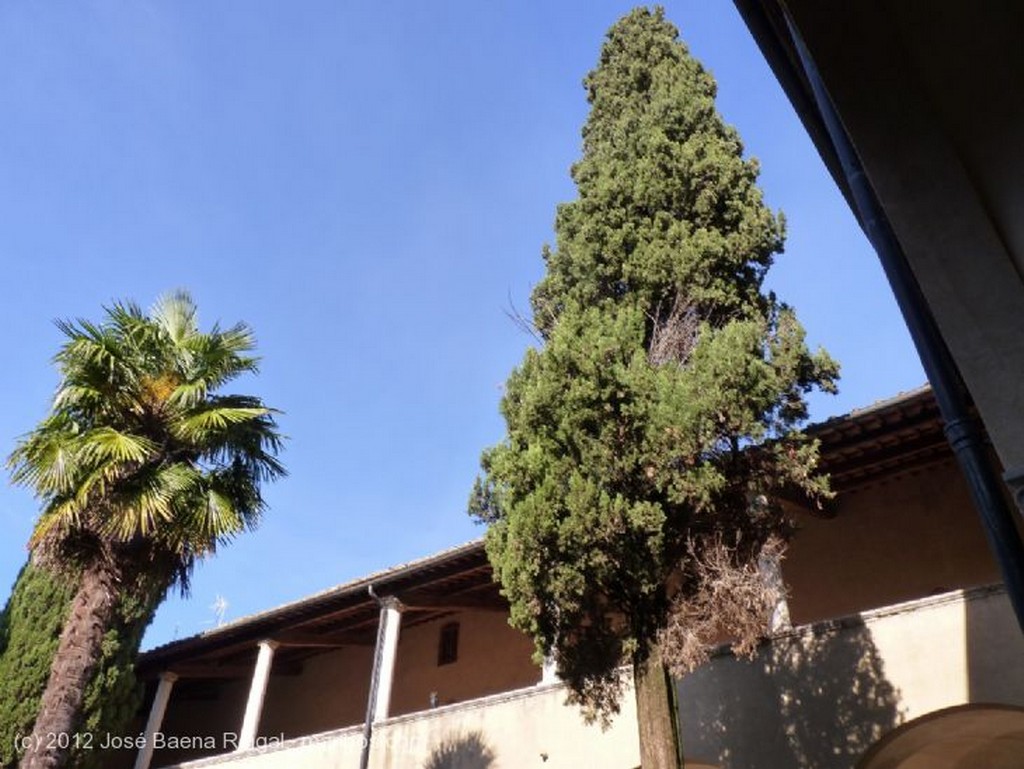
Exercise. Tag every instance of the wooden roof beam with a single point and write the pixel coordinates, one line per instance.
(322, 640)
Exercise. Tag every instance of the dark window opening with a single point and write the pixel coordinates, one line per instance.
(448, 648)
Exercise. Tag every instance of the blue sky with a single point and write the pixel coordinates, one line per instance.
(368, 185)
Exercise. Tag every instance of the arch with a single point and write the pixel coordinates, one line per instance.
(976, 736)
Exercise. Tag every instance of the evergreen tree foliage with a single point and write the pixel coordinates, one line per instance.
(30, 628)
(651, 434)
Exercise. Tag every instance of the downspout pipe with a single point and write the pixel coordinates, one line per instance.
(960, 426)
(371, 704)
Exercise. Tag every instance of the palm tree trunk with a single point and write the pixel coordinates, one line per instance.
(657, 714)
(92, 612)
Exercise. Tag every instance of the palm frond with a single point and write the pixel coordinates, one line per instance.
(92, 485)
(188, 395)
(221, 506)
(47, 458)
(105, 444)
(176, 314)
(62, 515)
(205, 424)
(107, 457)
(152, 498)
(237, 446)
(219, 357)
(80, 397)
(90, 348)
(254, 441)
(219, 519)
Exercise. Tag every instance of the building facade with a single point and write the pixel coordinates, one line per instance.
(900, 650)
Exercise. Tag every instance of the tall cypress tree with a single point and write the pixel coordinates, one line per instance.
(650, 436)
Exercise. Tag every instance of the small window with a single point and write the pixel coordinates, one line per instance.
(448, 648)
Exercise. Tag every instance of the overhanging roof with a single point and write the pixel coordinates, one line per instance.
(887, 437)
(343, 615)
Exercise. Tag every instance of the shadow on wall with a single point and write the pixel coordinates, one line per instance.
(995, 648)
(808, 701)
(462, 752)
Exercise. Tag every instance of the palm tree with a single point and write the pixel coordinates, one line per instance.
(142, 469)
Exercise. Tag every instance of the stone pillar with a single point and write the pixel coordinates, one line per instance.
(392, 618)
(257, 691)
(771, 571)
(549, 672)
(156, 718)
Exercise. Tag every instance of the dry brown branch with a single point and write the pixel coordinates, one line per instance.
(522, 322)
(730, 600)
(674, 334)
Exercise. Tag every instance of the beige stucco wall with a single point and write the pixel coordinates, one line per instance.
(530, 728)
(818, 698)
(837, 691)
(908, 537)
(330, 692)
(218, 710)
(527, 728)
(815, 698)
(339, 748)
(492, 658)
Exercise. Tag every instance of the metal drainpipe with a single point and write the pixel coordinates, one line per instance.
(371, 704)
(960, 428)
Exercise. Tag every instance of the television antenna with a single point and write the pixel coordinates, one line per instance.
(219, 607)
